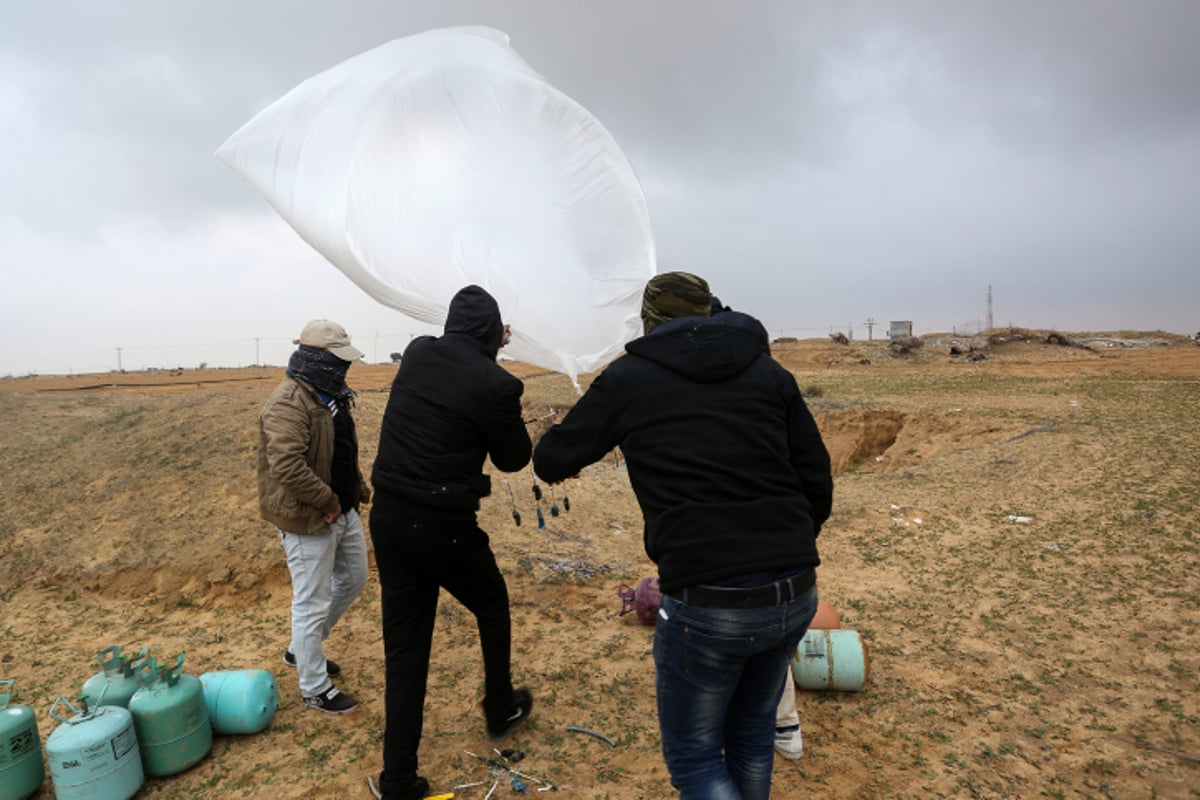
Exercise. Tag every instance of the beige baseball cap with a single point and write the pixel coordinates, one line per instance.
(328, 335)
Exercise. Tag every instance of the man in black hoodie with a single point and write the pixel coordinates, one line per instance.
(451, 406)
(734, 483)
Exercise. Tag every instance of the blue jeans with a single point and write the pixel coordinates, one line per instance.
(719, 677)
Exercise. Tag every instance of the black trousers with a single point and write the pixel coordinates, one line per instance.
(416, 557)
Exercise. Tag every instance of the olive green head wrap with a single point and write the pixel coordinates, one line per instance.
(674, 294)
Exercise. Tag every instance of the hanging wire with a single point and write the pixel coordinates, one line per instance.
(512, 504)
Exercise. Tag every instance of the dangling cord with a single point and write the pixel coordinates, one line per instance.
(537, 497)
(512, 504)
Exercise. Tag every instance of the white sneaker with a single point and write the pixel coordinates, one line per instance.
(789, 743)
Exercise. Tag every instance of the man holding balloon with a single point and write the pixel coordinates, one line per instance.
(734, 483)
(450, 407)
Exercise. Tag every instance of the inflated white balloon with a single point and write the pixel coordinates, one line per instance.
(441, 160)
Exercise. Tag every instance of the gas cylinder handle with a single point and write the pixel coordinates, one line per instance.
(70, 720)
(132, 664)
(171, 674)
(147, 671)
(6, 692)
(113, 651)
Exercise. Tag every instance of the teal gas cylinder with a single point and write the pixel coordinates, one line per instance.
(832, 659)
(240, 700)
(170, 717)
(21, 767)
(116, 680)
(94, 754)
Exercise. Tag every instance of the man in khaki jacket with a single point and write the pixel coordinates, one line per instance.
(309, 488)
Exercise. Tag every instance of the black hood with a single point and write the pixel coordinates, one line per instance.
(705, 349)
(474, 313)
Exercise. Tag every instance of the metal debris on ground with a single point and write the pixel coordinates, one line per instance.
(600, 736)
(503, 767)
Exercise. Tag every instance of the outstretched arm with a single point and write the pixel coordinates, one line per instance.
(584, 437)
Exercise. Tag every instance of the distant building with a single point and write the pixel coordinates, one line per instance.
(901, 329)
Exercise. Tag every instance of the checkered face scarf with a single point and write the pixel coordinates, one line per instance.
(323, 370)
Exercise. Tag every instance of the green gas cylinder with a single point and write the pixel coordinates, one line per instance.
(837, 660)
(116, 680)
(240, 700)
(170, 717)
(21, 767)
(94, 754)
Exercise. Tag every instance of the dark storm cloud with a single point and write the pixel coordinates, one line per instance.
(824, 161)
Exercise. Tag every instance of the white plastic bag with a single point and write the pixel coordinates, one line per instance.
(441, 160)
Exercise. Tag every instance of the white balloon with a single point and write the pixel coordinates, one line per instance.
(441, 160)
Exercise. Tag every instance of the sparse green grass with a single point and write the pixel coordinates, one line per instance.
(1049, 658)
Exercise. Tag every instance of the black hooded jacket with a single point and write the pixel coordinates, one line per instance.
(723, 454)
(451, 405)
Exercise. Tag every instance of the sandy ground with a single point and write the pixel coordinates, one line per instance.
(1016, 538)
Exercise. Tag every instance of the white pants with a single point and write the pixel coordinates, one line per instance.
(786, 715)
(328, 572)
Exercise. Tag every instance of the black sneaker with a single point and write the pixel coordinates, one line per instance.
(332, 701)
(414, 788)
(331, 667)
(517, 712)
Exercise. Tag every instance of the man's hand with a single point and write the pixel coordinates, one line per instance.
(507, 336)
(332, 516)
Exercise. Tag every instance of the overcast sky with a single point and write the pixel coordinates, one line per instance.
(821, 163)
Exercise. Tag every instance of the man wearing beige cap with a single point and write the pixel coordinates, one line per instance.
(309, 488)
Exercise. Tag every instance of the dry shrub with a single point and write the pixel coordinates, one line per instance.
(906, 345)
(813, 391)
(839, 338)
(1054, 337)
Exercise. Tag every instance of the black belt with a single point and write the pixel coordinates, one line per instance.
(781, 591)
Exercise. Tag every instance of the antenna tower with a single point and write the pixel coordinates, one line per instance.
(989, 316)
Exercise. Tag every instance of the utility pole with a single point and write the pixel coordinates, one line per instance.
(257, 360)
(119, 367)
(870, 323)
(989, 318)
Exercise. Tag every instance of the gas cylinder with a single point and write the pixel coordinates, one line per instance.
(94, 754)
(115, 680)
(832, 659)
(170, 717)
(21, 767)
(827, 617)
(240, 700)
(645, 599)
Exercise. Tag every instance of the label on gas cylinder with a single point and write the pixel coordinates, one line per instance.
(97, 758)
(814, 647)
(123, 742)
(17, 747)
